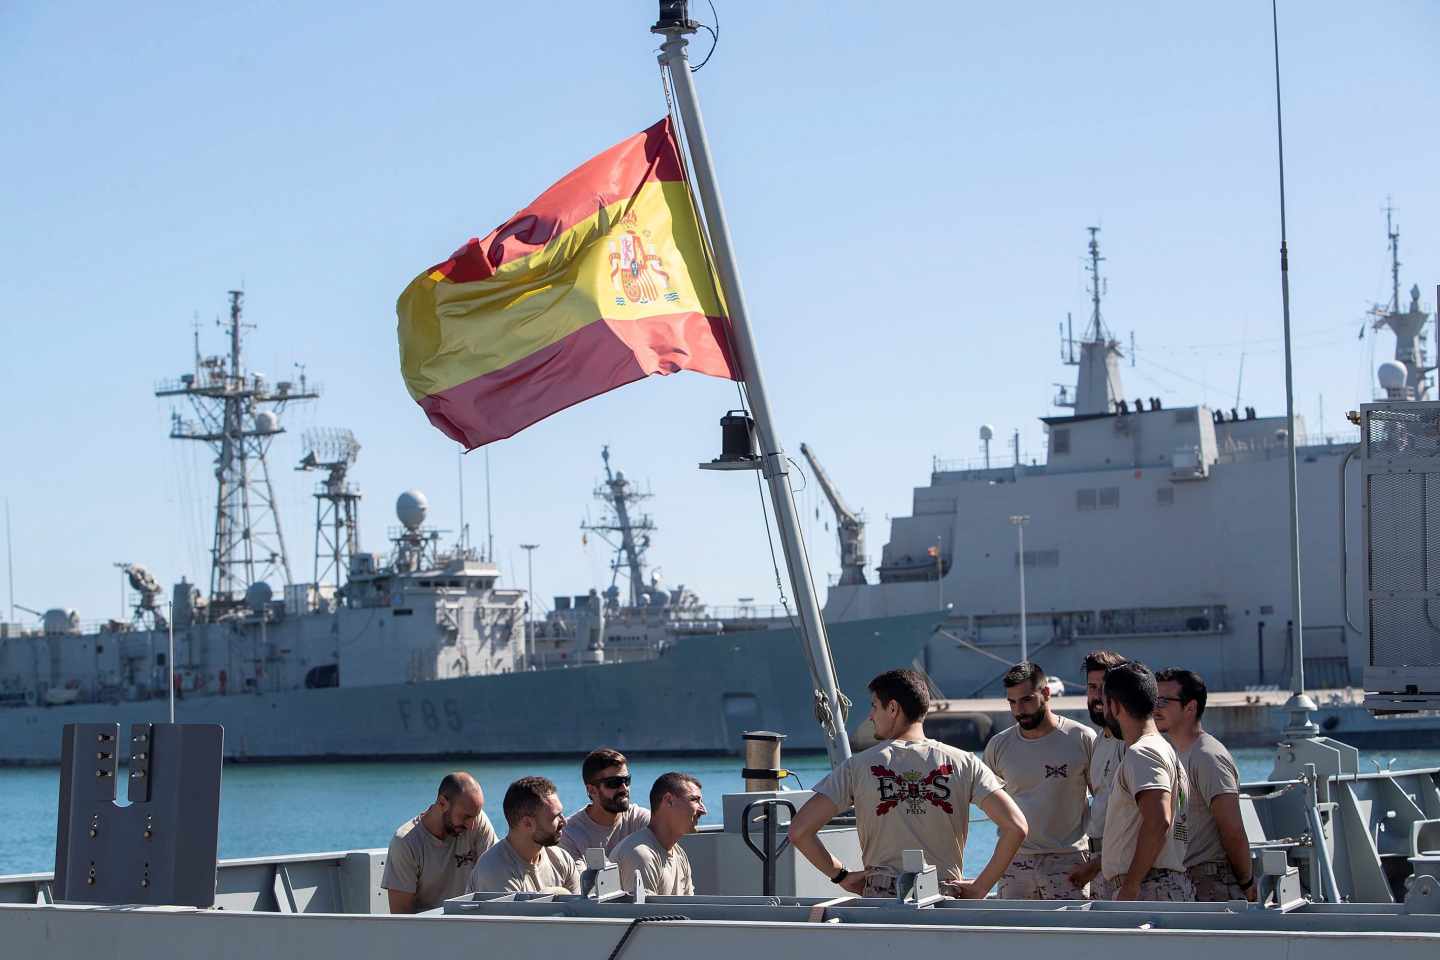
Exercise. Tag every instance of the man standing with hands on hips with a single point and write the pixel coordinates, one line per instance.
(909, 793)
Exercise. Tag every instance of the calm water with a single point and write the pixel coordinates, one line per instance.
(307, 808)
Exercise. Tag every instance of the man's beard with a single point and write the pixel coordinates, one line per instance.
(1029, 721)
(454, 830)
(1097, 714)
(616, 804)
(1113, 726)
(547, 840)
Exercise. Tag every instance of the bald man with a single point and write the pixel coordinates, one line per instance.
(432, 855)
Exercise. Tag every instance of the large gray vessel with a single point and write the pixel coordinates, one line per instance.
(1152, 530)
(418, 652)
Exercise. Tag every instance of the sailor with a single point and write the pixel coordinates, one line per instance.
(1104, 761)
(1145, 816)
(1043, 760)
(529, 859)
(610, 816)
(909, 793)
(431, 856)
(1217, 858)
(676, 807)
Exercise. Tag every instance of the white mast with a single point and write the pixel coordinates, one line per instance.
(830, 708)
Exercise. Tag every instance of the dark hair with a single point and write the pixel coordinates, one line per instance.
(667, 784)
(524, 797)
(455, 784)
(1132, 685)
(1102, 660)
(1027, 671)
(1192, 687)
(905, 687)
(601, 759)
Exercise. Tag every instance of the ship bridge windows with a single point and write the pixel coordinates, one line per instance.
(1060, 440)
(1097, 498)
(1041, 559)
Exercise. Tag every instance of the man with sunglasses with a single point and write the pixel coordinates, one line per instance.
(1217, 859)
(610, 816)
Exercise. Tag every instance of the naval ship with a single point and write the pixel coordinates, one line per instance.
(1152, 530)
(418, 652)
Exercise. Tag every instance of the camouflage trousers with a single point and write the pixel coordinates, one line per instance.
(1215, 882)
(1043, 876)
(1159, 885)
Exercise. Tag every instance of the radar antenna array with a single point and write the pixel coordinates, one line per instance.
(337, 501)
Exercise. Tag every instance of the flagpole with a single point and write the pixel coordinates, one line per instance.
(774, 465)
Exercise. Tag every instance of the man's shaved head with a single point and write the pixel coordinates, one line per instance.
(457, 784)
(459, 802)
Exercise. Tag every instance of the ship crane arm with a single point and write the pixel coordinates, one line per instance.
(849, 526)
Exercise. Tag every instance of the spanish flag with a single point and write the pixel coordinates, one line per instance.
(601, 281)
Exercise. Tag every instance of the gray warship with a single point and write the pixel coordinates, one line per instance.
(418, 652)
(1152, 530)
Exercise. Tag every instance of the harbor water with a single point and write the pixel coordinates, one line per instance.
(272, 809)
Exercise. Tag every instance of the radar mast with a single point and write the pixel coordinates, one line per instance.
(237, 416)
(621, 522)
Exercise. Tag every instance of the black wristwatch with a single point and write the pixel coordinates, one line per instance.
(840, 877)
(1248, 883)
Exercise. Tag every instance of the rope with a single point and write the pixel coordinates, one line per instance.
(625, 937)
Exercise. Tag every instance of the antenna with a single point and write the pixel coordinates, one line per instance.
(1393, 232)
(460, 468)
(1299, 706)
(337, 526)
(1096, 330)
(489, 530)
(1132, 348)
(1240, 379)
(9, 561)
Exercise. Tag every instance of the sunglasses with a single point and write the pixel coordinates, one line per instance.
(612, 783)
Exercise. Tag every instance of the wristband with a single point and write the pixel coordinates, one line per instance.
(840, 877)
(1248, 883)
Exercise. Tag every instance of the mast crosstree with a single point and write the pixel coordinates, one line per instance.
(237, 416)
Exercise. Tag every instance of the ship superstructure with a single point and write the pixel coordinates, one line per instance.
(1152, 530)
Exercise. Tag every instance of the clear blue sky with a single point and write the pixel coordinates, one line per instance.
(909, 197)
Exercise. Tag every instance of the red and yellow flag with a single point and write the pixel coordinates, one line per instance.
(601, 281)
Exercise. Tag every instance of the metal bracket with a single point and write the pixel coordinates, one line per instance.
(918, 884)
(162, 848)
(1422, 895)
(601, 879)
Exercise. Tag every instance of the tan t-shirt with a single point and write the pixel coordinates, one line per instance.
(501, 869)
(1150, 763)
(1047, 777)
(1104, 762)
(581, 833)
(434, 870)
(664, 873)
(911, 796)
(1212, 772)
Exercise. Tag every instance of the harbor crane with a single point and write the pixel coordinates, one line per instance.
(849, 525)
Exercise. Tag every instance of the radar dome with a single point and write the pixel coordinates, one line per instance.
(258, 596)
(266, 422)
(1392, 375)
(411, 508)
(987, 432)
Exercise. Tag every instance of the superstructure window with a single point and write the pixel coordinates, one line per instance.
(1085, 499)
(1109, 498)
(1060, 440)
(1165, 496)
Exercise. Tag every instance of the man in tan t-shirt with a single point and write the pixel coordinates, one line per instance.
(1144, 853)
(529, 859)
(1043, 760)
(431, 855)
(1104, 762)
(909, 793)
(654, 852)
(1217, 859)
(610, 816)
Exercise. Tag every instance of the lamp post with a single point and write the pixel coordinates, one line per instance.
(1019, 521)
(529, 549)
